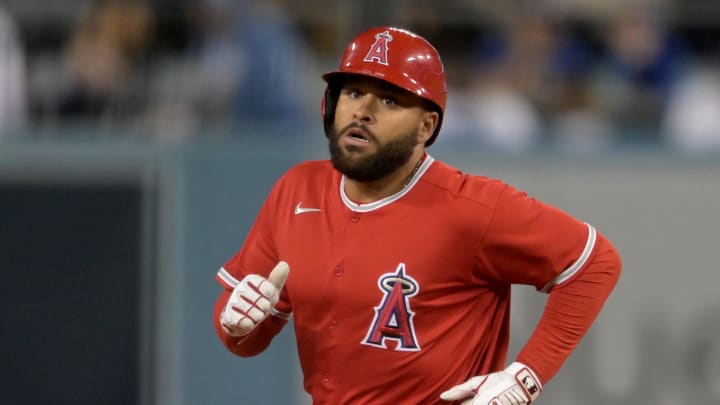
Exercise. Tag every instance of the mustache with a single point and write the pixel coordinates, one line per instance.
(362, 127)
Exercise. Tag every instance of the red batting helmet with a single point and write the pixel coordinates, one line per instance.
(396, 56)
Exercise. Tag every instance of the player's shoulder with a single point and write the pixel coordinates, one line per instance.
(312, 166)
(308, 178)
(473, 188)
(309, 170)
(307, 175)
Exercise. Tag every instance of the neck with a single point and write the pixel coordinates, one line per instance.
(367, 192)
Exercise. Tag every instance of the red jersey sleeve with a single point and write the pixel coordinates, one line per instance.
(571, 309)
(258, 255)
(530, 242)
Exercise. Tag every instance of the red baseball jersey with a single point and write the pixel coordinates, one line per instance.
(397, 300)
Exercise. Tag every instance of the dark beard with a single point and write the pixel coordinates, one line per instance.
(388, 158)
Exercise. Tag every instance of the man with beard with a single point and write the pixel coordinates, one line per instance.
(402, 266)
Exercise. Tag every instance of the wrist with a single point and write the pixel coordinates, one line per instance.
(526, 378)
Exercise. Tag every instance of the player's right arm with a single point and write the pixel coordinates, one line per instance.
(253, 307)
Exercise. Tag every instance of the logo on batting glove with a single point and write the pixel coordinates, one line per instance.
(527, 380)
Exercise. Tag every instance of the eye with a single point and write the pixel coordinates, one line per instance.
(352, 93)
(389, 100)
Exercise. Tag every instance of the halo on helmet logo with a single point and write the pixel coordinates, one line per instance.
(379, 50)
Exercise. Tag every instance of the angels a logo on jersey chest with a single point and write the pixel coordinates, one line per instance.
(394, 316)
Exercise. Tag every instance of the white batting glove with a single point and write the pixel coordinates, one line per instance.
(252, 300)
(516, 385)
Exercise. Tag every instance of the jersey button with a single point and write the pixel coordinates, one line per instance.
(355, 217)
(325, 378)
(333, 325)
(339, 271)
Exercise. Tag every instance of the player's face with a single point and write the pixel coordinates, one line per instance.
(377, 129)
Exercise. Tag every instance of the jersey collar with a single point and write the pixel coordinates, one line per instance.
(367, 207)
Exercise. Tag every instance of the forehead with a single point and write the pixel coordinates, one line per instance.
(374, 84)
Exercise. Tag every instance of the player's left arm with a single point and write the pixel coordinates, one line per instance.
(571, 309)
(577, 293)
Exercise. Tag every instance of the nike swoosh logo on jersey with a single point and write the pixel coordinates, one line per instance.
(301, 210)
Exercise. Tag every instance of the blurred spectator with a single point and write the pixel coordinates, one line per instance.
(692, 122)
(494, 100)
(13, 98)
(252, 65)
(644, 63)
(530, 83)
(101, 77)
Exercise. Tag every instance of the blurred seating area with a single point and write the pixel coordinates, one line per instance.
(577, 76)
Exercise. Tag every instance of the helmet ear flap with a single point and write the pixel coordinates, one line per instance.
(329, 102)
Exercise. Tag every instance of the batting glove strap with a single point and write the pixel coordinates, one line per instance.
(526, 379)
(516, 385)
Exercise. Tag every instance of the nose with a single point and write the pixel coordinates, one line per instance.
(365, 110)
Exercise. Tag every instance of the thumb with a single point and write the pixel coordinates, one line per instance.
(279, 275)
(455, 394)
(462, 391)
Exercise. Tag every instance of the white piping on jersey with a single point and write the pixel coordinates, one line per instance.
(579, 263)
(367, 207)
(282, 315)
(227, 278)
(231, 281)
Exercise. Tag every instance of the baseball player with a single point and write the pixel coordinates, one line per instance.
(396, 267)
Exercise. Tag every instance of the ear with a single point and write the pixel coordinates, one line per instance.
(427, 125)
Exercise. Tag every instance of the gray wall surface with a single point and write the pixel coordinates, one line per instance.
(657, 340)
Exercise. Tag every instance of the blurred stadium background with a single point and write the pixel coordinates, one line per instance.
(138, 138)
